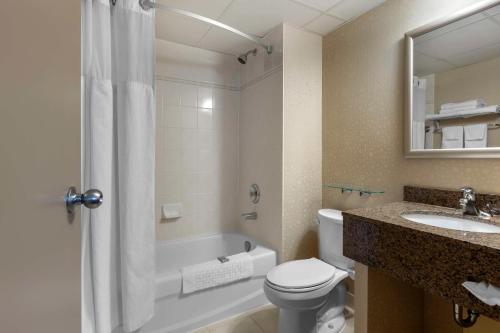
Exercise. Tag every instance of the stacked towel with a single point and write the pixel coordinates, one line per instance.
(418, 135)
(453, 137)
(476, 136)
(464, 113)
(453, 108)
(214, 273)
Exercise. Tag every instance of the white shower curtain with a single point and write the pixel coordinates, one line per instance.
(118, 153)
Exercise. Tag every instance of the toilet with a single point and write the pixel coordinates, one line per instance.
(310, 293)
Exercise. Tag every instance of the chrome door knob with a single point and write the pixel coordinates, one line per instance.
(90, 199)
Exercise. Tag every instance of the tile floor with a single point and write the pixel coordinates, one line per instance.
(261, 320)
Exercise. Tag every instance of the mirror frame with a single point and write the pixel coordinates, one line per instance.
(493, 152)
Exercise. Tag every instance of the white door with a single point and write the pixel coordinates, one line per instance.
(39, 159)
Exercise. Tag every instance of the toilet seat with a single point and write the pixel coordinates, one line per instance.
(304, 298)
(300, 276)
(297, 290)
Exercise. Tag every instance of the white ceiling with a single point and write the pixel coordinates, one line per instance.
(468, 41)
(255, 17)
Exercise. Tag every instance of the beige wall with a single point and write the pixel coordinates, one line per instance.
(363, 92)
(280, 142)
(302, 72)
(480, 80)
(363, 109)
(260, 158)
(261, 143)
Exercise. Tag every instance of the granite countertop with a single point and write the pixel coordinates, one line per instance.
(391, 213)
(436, 259)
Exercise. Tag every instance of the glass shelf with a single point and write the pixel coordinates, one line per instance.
(349, 188)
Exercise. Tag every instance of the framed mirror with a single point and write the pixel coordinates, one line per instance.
(452, 107)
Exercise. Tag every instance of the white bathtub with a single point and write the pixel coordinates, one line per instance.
(177, 313)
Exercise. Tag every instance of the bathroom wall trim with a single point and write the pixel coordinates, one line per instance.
(197, 83)
(250, 83)
(261, 77)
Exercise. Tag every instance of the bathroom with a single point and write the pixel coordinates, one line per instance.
(241, 163)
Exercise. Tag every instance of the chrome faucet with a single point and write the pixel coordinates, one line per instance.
(249, 216)
(468, 203)
(492, 210)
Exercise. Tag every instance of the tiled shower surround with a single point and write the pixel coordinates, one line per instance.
(197, 159)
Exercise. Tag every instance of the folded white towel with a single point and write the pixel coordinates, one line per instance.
(485, 109)
(418, 135)
(457, 110)
(453, 137)
(464, 113)
(476, 136)
(214, 273)
(471, 104)
(429, 137)
(486, 292)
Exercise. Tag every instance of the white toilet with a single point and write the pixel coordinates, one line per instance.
(310, 293)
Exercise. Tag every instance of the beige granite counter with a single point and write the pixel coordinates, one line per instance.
(436, 259)
(391, 213)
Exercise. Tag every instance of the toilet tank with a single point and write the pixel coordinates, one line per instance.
(330, 239)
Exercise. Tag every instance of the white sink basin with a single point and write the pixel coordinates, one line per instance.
(449, 222)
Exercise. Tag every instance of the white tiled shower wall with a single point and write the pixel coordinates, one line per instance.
(197, 156)
(206, 155)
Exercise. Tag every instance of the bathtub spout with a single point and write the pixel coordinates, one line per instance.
(249, 216)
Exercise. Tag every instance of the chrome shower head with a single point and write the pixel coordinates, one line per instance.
(242, 58)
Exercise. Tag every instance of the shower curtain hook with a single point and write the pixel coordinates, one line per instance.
(113, 2)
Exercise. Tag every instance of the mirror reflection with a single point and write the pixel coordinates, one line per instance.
(456, 84)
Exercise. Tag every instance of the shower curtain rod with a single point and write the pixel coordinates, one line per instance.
(149, 4)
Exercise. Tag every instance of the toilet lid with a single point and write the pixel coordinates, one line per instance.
(301, 273)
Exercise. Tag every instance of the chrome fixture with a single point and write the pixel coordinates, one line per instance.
(492, 210)
(222, 259)
(90, 199)
(248, 246)
(468, 204)
(254, 193)
(468, 201)
(242, 58)
(472, 316)
(249, 216)
(150, 4)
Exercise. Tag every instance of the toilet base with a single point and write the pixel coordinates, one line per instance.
(329, 318)
(297, 321)
(333, 325)
(306, 322)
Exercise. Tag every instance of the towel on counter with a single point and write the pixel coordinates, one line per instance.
(476, 136)
(467, 105)
(486, 292)
(453, 137)
(214, 273)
